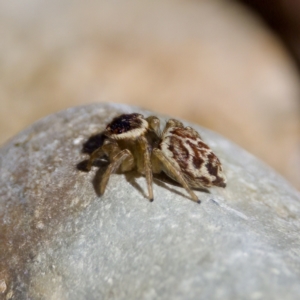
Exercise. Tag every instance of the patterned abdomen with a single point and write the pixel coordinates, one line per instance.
(185, 149)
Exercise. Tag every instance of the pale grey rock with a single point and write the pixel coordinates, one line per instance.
(59, 240)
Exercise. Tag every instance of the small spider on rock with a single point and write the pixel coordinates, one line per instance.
(136, 142)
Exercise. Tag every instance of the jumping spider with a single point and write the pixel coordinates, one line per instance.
(136, 142)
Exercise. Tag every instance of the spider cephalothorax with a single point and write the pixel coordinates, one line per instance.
(135, 142)
(127, 127)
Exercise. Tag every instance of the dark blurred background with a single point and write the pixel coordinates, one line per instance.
(231, 66)
(283, 17)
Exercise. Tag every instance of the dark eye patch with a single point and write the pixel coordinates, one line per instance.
(124, 123)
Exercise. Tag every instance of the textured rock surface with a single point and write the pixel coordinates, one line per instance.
(59, 240)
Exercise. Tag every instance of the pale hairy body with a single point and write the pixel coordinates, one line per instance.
(135, 142)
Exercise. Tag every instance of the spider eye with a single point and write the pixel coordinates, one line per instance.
(124, 124)
(118, 127)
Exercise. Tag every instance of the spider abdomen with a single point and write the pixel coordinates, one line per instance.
(193, 157)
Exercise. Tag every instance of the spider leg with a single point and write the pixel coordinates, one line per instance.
(147, 165)
(109, 148)
(97, 153)
(174, 172)
(112, 167)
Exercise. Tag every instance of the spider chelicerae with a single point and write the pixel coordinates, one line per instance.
(136, 142)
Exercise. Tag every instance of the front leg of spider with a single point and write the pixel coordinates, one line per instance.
(113, 167)
(96, 154)
(109, 148)
(147, 165)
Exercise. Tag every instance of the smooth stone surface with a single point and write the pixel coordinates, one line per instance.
(59, 240)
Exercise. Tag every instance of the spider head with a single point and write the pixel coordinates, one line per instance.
(127, 126)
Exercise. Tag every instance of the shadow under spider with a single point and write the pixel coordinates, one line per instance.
(161, 180)
(94, 142)
(131, 179)
(133, 175)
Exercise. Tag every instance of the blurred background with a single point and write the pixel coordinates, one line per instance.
(231, 66)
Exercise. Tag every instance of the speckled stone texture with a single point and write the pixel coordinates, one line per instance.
(60, 240)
